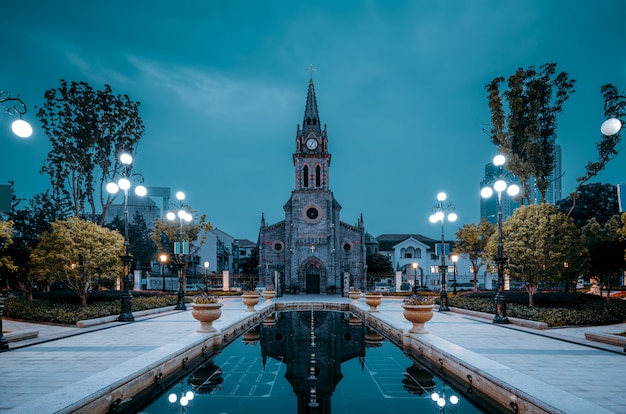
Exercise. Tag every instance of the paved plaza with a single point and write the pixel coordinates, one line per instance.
(49, 372)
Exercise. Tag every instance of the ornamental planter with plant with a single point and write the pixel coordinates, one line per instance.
(354, 294)
(269, 293)
(373, 299)
(250, 298)
(206, 309)
(418, 310)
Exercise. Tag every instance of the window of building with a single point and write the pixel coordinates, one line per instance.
(305, 174)
(318, 176)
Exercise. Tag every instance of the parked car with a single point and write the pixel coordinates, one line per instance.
(405, 287)
(381, 287)
(260, 289)
(193, 287)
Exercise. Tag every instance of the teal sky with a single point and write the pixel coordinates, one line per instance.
(400, 85)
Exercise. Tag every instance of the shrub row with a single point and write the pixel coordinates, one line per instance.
(579, 309)
(42, 310)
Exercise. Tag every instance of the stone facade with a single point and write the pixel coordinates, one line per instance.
(312, 250)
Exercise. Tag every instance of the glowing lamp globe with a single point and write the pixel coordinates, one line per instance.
(609, 127)
(21, 128)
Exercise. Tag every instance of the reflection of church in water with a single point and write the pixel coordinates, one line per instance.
(313, 345)
(312, 250)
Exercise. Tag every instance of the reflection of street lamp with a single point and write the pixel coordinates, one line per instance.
(184, 400)
(180, 248)
(20, 127)
(439, 211)
(163, 259)
(454, 258)
(206, 277)
(512, 189)
(126, 314)
(441, 403)
(414, 277)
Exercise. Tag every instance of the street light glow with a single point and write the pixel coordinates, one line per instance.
(611, 127)
(21, 128)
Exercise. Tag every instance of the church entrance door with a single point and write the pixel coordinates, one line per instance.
(312, 279)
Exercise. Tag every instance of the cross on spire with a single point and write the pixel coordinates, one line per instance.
(311, 69)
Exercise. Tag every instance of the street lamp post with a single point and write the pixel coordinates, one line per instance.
(126, 313)
(206, 277)
(181, 248)
(163, 259)
(415, 277)
(20, 127)
(512, 189)
(454, 258)
(439, 214)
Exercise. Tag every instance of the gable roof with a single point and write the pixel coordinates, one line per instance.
(388, 241)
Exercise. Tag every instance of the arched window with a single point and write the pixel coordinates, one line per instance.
(305, 173)
(318, 176)
(418, 253)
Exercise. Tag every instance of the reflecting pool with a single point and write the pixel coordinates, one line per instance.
(310, 362)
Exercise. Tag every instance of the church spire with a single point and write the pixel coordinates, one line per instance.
(311, 120)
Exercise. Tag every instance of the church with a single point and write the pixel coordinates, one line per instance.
(312, 251)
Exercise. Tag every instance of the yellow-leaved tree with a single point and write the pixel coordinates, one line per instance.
(77, 253)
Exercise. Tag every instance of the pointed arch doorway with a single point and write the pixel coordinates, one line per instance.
(312, 279)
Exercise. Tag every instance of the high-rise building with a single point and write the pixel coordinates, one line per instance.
(489, 206)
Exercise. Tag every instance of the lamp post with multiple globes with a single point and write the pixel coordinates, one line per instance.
(499, 186)
(126, 314)
(439, 214)
(181, 248)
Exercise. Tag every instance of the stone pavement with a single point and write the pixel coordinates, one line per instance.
(48, 373)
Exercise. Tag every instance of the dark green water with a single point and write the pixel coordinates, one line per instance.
(281, 368)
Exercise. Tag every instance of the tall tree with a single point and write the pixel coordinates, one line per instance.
(379, 263)
(28, 224)
(526, 130)
(614, 106)
(88, 130)
(79, 254)
(606, 249)
(471, 242)
(595, 200)
(542, 245)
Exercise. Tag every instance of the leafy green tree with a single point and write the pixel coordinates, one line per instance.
(525, 131)
(606, 249)
(79, 254)
(88, 130)
(167, 232)
(593, 200)
(141, 246)
(471, 242)
(28, 224)
(541, 244)
(614, 106)
(6, 262)
(379, 263)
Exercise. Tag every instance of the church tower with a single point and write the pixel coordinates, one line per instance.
(312, 251)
